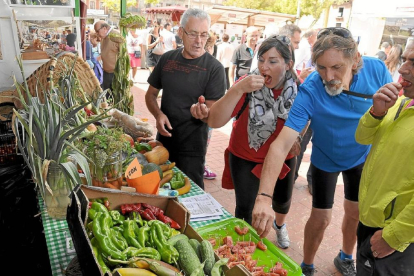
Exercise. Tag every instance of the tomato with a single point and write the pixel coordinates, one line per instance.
(241, 231)
(405, 83)
(261, 246)
(201, 100)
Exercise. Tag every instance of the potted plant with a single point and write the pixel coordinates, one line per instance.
(104, 148)
(46, 132)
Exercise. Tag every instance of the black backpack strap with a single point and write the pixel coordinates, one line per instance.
(245, 103)
(360, 95)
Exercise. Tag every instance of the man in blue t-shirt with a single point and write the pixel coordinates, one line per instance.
(328, 99)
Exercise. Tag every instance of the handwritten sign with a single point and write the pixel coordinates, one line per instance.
(133, 170)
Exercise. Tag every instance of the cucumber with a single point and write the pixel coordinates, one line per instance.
(187, 258)
(207, 256)
(196, 246)
(174, 239)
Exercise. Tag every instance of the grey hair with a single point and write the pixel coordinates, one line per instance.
(192, 12)
(309, 33)
(289, 30)
(385, 45)
(347, 46)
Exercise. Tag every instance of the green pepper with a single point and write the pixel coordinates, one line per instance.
(177, 181)
(117, 217)
(143, 146)
(105, 243)
(91, 213)
(98, 207)
(129, 233)
(118, 240)
(106, 223)
(98, 256)
(142, 236)
(168, 253)
(145, 252)
(137, 218)
(167, 230)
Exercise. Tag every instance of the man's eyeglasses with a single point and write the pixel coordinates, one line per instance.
(339, 31)
(203, 36)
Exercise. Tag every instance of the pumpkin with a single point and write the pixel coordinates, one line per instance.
(150, 167)
(159, 155)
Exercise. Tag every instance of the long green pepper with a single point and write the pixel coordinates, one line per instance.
(129, 233)
(168, 253)
(105, 243)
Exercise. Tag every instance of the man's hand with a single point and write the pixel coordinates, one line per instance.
(200, 110)
(304, 73)
(250, 83)
(263, 215)
(385, 97)
(162, 121)
(379, 246)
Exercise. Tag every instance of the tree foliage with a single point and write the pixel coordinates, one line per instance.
(307, 7)
(115, 5)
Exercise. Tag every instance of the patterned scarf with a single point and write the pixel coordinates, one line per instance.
(264, 110)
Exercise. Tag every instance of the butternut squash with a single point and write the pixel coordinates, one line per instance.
(159, 155)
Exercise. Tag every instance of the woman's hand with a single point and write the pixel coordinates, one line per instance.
(249, 84)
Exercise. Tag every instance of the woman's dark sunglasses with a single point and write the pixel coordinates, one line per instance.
(342, 32)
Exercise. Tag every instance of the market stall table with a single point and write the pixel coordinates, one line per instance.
(59, 242)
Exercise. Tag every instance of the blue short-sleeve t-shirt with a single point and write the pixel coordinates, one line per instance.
(334, 119)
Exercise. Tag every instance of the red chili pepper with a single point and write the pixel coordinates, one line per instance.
(137, 207)
(106, 202)
(154, 210)
(405, 83)
(88, 112)
(147, 214)
(90, 204)
(168, 220)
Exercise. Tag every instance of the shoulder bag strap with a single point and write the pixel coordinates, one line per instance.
(356, 94)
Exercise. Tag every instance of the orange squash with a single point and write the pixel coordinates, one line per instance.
(159, 155)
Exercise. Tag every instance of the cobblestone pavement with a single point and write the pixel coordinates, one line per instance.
(301, 203)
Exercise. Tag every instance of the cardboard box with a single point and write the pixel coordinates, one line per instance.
(78, 211)
(77, 217)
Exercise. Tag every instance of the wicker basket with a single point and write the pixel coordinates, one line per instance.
(52, 70)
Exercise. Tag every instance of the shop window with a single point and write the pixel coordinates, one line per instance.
(338, 25)
(92, 5)
(43, 36)
(66, 3)
(398, 30)
(101, 6)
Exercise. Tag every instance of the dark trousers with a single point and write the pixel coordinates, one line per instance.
(246, 187)
(227, 78)
(107, 80)
(305, 141)
(397, 264)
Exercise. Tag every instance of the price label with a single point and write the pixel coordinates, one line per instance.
(133, 170)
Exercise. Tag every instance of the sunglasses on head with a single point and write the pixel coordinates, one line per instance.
(339, 31)
(282, 38)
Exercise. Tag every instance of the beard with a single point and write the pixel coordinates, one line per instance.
(332, 88)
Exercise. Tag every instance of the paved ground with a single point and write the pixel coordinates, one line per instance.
(302, 200)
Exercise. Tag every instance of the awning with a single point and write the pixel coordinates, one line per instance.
(175, 12)
(248, 17)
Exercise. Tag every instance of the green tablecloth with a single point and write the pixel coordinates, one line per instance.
(58, 236)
